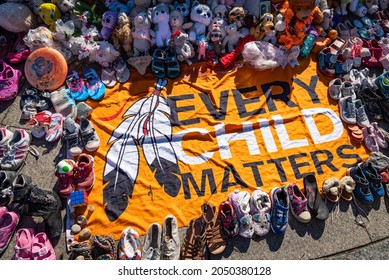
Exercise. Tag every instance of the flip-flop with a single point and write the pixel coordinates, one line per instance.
(76, 86)
(370, 140)
(94, 86)
(173, 66)
(158, 64)
(108, 77)
(122, 71)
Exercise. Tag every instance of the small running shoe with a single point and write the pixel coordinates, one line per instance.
(5, 137)
(260, 211)
(64, 173)
(17, 150)
(279, 212)
(89, 136)
(298, 203)
(240, 200)
(228, 218)
(85, 177)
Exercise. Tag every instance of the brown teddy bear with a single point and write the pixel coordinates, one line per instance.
(300, 16)
(121, 35)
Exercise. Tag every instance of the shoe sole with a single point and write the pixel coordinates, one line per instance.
(298, 218)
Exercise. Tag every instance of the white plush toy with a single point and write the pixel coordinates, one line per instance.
(177, 22)
(279, 24)
(66, 5)
(201, 17)
(160, 17)
(372, 6)
(232, 38)
(327, 23)
(103, 53)
(142, 35)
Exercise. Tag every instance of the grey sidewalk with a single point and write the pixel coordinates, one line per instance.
(340, 237)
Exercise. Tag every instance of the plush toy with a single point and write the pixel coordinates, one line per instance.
(201, 17)
(109, 2)
(183, 8)
(38, 38)
(279, 23)
(358, 8)
(384, 4)
(119, 7)
(159, 15)
(327, 22)
(202, 49)
(49, 13)
(34, 5)
(109, 22)
(122, 36)
(142, 34)
(372, 6)
(253, 7)
(103, 53)
(232, 38)
(218, 21)
(237, 15)
(220, 11)
(66, 5)
(299, 16)
(183, 49)
(140, 6)
(17, 17)
(270, 33)
(176, 22)
(258, 31)
(322, 4)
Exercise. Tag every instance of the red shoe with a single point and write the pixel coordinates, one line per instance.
(65, 173)
(85, 177)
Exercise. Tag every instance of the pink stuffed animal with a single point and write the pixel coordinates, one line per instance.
(202, 47)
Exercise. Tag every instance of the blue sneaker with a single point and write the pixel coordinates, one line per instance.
(375, 180)
(94, 86)
(279, 212)
(382, 83)
(362, 189)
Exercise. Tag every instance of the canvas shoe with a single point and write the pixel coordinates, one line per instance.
(63, 103)
(170, 239)
(17, 150)
(228, 218)
(362, 190)
(6, 194)
(347, 110)
(298, 203)
(279, 212)
(23, 244)
(152, 244)
(65, 170)
(89, 136)
(260, 211)
(214, 234)
(374, 179)
(5, 137)
(72, 137)
(334, 88)
(129, 247)
(8, 224)
(240, 200)
(361, 116)
(347, 89)
(55, 129)
(85, 177)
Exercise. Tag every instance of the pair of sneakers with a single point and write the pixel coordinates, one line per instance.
(79, 175)
(8, 223)
(88, 86)
(81, 136)
(352, 111)
(14, 147)
(253, 212)
(162, 242)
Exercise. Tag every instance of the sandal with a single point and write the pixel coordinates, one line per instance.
(23, 245)
(331, 189)
(55, 128)
(41, 248)
(344, 32)
(40, 121)
(193, 247)
(158, 64)
(370, 139)
(108, 77)
(380, 137)
(352, 29)
(214, 234)
(122, 71)
(172, 65)
(76, 86)
(347, 186)
(94, 86)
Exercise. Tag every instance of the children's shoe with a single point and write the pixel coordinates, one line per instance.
(72, 137)
(374, 179)
(316, 205)
(347, 90)
(108, 77)
(347, 186)
(121, 69)
(64, 173)
(194, 245)
(63, 103)
(360, 114)
(8, 224)
(298, 203)
(85, 172)
(41, 248)
(213, 229)
(17, 150)
(40, 121)
(279, 212)
(347, 110)
(362, 190)
(260, 211)
(331, 189)
(6, 193)
(23, 244)
(95, 87)
(9, 83)
(5, 137)
(76, 86)
(170, 249)
(89, 136)
(152, 244)
(382, 82)
(129, 247)
(3, 210)
(334, 88)
(228, 218)
(241, 203)
(103, 247)
(55, 128)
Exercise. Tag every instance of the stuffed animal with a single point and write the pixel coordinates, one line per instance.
(183, 49)
(109, 22)
(121, 35)
(327, 22)
(103, 53)
(216, 41)
(49, 13)
(232, 38)
(218, 21)
(176, 22)
(34, 5)
(220, 11)
(17, 17)
(252, 7)
(159, 15)
(358, 8)
(279, 23)
(258, 31)
(201, 17)
(372, 6)
(66, 5)
(202, 48)
(383, 4)
(299, 16)
(119, 7)
(237, 15)
(140, 6)
(183, 8)
(270, 33)
(142, 35)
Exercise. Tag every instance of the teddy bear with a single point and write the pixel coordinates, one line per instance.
(238, 15)
(299, 15)
(121, 35)
(182, 47)
(201, 17)
(232, 38)
(159, 15)
(109, 22)
(142, 34)
(176, 22)
(220, 11)
(372, 6)
(49, 13)
(17, 17)
(103, 53)
(140, 6)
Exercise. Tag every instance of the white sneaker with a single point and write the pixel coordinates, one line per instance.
(5, 136)
(361, 117)
(152, 243)
(17, 150)
(170, 239)
(260, 211)
(334, 88)
(347, 110)
(241, 203)
(347, 90)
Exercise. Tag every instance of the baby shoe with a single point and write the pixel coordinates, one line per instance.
(260, 211)
(240, 200)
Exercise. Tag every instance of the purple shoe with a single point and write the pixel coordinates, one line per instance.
(8, 223)
(298, 203)
(241, 203)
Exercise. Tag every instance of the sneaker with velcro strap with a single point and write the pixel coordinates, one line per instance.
(72, 138)
(89, 136)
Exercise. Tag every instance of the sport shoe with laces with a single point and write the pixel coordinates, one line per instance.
(85, 173)
(129, 247)
(16, 151)
(5, 137)
(361, 116)
(8, 224)
(371, 101)
(89, 136)
(152, 244)
(362, 190)
(213, 229)
(170, 239)
(240, 200)
(298, 203)
(382, 82)
(6, 194)
(347, 110)
(374, 179)
(279, 212)
(194, 246)
(334, 88)
(65, 172)
(260, 211)
(72, 137)
(347, 90)
(228, 218)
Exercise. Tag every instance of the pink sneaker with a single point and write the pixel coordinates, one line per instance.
(41, 248)
(3, 210)
(241, 203)
(85, 172)
(9, 83)
(65, 172)
(24, 237)
(55, 129)
(8, 223)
